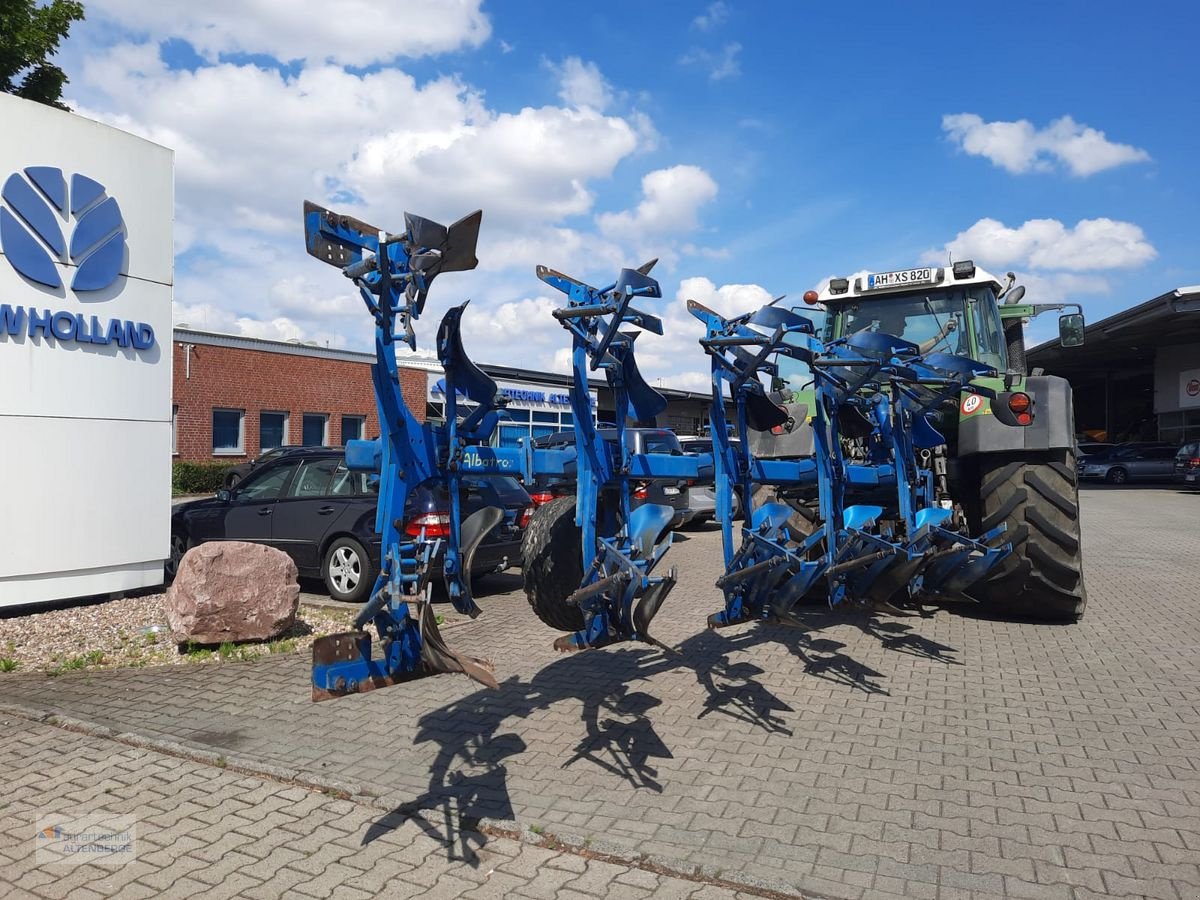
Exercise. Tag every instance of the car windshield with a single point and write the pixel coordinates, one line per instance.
(659, 442)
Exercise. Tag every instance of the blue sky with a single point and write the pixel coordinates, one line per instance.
(757, 147)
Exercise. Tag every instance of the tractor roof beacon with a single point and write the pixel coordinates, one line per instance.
(1024, 476)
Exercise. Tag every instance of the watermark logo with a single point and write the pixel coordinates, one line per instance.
(36, 205)
(99, 840)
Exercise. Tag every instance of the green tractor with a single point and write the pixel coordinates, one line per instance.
(989, 472)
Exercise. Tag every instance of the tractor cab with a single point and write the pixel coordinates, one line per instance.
(951, 309)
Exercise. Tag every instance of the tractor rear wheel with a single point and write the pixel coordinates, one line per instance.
(551, 556)
(1037, 498)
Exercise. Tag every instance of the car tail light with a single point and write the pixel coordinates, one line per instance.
(436, 525)
(540, 497)
(524, 517)
(1194, 461)
(1021, 404)
(641, 491)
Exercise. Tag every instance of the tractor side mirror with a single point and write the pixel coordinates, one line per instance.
(1070, 330)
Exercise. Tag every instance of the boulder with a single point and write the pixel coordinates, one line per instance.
(232, 591)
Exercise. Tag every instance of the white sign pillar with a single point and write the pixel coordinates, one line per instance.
(86, 274)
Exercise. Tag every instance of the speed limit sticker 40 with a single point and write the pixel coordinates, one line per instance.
(971, 403)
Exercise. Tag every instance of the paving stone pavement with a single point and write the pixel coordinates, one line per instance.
(859, 756)
(213, 833)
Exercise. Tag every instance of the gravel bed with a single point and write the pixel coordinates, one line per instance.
(120, 633)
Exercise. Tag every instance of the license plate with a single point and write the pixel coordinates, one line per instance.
(670, 491)
(899, 279)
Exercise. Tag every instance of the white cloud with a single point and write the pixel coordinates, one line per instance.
(1056, 287)
(350, 32)
(251, 143)
(671, 202)
(580, 84)
(1091, 245)
(713, 16)
(676, 357)
(721, 64)
(1020, 147)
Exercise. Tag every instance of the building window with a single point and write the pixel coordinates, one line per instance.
(316, 429)
(272, 430)
(352, 428)
(229, 432)
(174, 430)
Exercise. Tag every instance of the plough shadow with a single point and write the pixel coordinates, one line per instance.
(468, 779)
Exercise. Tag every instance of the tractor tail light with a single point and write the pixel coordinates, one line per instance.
(1022, 405)
(541, 497)
(641, 491)
(436, 525)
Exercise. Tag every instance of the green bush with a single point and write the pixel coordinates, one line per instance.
(197, 478)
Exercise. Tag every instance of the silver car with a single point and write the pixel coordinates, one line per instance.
(703, 495)
(1130, 464)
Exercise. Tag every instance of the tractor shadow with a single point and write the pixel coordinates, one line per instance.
(476, 744)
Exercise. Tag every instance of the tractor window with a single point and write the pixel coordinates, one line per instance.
(935, 322)
(989, 331)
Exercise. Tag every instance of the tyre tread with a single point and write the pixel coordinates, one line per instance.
(552, 566)
(1038, 499)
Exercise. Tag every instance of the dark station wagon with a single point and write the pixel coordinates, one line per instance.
(307, 503)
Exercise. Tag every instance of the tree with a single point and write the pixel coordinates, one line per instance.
(29, 35)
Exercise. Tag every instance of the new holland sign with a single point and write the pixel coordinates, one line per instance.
(86, 278)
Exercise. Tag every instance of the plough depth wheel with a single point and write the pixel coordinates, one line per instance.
(551, 554)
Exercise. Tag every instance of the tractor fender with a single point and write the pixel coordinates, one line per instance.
(1053, 427)
(794, 441)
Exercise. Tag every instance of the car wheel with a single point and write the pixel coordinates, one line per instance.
(232, 480)
(179, 546)
(1117, 476)
(348, 572)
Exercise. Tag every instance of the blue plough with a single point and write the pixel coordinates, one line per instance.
(873, 387)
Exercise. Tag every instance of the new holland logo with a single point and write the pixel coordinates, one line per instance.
(36, 203)
(31, 234)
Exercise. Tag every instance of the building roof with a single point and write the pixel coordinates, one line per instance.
(406, 360)
(1127, 339)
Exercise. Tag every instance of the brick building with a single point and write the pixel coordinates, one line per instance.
(235, 397)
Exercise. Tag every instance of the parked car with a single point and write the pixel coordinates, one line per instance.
(639, 440)
(1093, 448)
(1130, 463)
(703, 495)
(237, 473)
(1187, 464)
(308, 504)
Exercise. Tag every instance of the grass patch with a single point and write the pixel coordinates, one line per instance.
(286, 645)
(196, 653)
(537, 829)
(78, 662)
(8, 664)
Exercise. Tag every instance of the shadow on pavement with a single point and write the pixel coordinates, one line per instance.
(469, 776)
